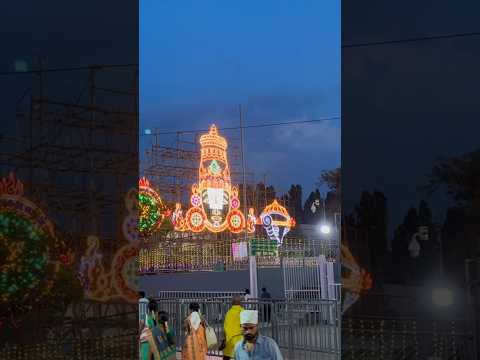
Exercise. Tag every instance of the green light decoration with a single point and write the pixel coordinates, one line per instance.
(149, 214)
(263, 247)
(151, 209)
(214, 167)
(24, 257)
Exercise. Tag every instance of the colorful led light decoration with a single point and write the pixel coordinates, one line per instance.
(152, 211)
(214, 200)
(276, 221)
(32, 253)
(119, 280)
(355, 280)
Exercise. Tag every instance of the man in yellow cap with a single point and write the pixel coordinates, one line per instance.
(254, 345)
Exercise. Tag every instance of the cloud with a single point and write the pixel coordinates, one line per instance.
(322, 136)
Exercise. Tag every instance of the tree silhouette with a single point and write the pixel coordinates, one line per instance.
(460, 176)
(371, 219)
(331, 179)
(424, 214)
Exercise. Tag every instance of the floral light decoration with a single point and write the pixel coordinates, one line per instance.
(119, 280)
(152, 210)
(355, 280)
(215, 204)
(31, 253)
(276, 221)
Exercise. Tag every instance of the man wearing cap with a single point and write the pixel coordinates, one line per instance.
(255, 346)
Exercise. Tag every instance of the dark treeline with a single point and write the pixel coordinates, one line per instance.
(310, 211)
(421, 249)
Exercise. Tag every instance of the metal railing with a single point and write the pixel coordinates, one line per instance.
(395, 338)
(195, 295)
(119, 347)
(303, 330)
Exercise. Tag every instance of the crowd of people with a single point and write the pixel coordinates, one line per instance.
(242, 339)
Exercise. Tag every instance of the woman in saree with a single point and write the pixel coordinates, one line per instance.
(195, 345)
(166, 337)
(150, 334)
(148, 347)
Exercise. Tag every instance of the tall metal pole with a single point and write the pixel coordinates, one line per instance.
(252, 261)
(92, 188)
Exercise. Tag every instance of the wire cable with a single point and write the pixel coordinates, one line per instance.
(246, 126)
(410, 40)
(90, 67)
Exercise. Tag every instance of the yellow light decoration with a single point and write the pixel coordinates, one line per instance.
(276, 221)
(119, 280)
(215, 203)
(358, 279)
(355, 280)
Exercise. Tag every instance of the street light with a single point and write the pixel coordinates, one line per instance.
(442, 297)
(325, 229)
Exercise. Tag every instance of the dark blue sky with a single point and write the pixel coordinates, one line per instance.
(280, 59)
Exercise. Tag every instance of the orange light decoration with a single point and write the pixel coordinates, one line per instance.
(276, 221)
(355, 280)
(214, 200)
(152, 211)
(119, 280)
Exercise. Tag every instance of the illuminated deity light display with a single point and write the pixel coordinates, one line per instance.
(119, 281)
(215, 205)
(355, 280)
(32, 253)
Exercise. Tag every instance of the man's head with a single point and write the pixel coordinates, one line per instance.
(264, 289)
(163, 316)
(236, 300)
(194, 307)
(141, 294)
(247, 291)
(249, 323)
(152, 306)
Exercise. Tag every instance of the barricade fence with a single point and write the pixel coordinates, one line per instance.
(119, 347)
(371, 338)
(303, 330)
(185, 295)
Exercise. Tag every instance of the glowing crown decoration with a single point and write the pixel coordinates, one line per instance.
(276, 221)
(215, 203)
